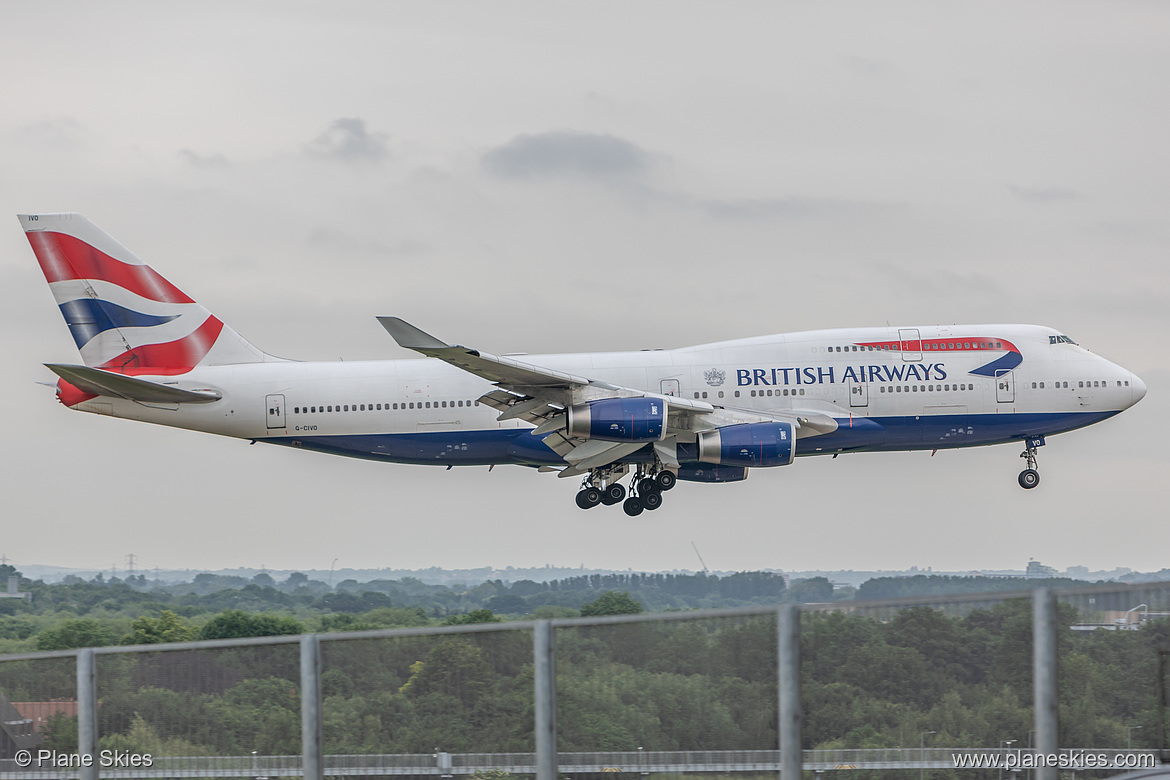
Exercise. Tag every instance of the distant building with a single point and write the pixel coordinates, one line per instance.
(39, 712)
(14, 589)
(1038, 571)
(16, 731)
(1077, 572)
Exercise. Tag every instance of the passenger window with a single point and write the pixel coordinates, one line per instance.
(737, 394)
(720, 393)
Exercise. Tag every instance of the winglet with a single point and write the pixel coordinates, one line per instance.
(409, 336)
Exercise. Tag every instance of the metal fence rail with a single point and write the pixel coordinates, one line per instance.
(425, 765)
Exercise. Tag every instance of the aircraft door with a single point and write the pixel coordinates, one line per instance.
(275, 417)
(671, 387)
(1005, 386)
(910, 343)
(858, 394)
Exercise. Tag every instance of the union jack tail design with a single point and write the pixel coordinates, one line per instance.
(124, 316)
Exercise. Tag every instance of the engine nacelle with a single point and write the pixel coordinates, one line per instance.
(619, 419)
(749, 444)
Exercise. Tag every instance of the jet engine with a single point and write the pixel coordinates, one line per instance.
(749, 444)
(619, 419)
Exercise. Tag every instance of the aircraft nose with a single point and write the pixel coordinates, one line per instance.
(1138, 386)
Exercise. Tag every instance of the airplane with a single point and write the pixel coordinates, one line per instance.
(705, 413)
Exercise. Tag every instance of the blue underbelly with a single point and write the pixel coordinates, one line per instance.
(858, 434)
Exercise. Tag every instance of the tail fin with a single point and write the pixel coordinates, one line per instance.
(123, 315)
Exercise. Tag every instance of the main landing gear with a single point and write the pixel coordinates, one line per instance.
(1030, 477)
(645, 491)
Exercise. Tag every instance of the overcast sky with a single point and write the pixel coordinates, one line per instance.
(536, 177)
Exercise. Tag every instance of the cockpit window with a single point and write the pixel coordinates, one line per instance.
(1060, 340)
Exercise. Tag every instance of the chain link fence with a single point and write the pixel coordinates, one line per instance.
(899, 684)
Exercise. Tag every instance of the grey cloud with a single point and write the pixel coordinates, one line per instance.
(567, 153)
(1043, 194)
(339, 241)
(940, 282)
(866, 65)
(348, 139)
(61, 132)
(207, 161)
(769, 208)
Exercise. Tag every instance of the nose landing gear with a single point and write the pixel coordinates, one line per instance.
(1030, 477)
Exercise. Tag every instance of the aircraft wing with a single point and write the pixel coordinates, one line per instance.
(501, 370)
(541, 396)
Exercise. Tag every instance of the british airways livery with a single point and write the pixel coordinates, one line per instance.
(706, 413)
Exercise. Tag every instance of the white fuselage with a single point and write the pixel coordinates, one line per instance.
(888, 388)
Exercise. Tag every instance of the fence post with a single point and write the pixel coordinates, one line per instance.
(87, 732)
(1045, 700)
(788, 680)
(312, 738)
(544, 663)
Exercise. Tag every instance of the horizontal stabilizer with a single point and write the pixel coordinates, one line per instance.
(99, 382)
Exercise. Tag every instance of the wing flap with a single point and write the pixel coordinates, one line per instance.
(98, 382)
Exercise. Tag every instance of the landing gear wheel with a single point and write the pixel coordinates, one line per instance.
(652, 499)
(633, 507)
(647, 485)
(1030, 477)
(666, 480)
(588, 498)
(614, 494)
